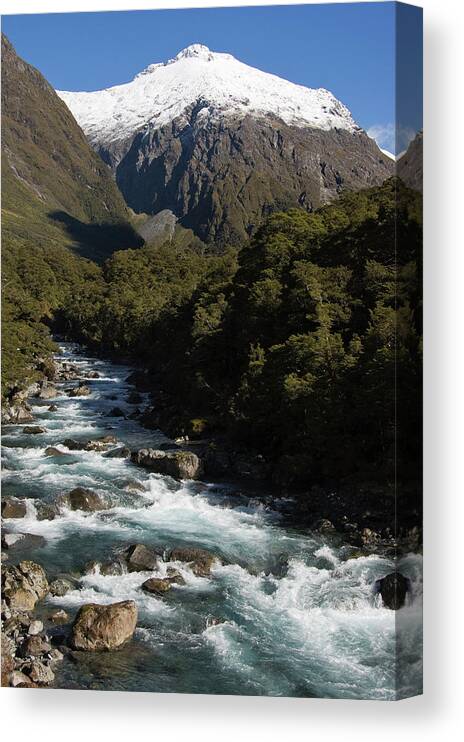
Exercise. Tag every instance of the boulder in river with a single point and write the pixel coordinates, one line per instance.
(59, 588)
(53, 451)
(33, 430)
(13, 507)
(111, 568)
(100, 444)
(103, 627)
(24, 585)
(157, 585)
(178, 464)
(118, 453)
(393, 588)
(79, 391)
(199, 560)
(53, 408)
(175, 576)
(83, 499)
(140, 558)
(74, 445)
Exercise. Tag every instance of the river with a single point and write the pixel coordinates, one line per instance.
(298, 618)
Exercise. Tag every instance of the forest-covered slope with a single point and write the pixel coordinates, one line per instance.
(59, 206)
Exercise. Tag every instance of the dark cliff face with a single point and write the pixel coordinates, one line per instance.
(221, 177)
(49, 166)
(410, 164)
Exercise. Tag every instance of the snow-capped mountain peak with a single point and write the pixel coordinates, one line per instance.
(225, 86)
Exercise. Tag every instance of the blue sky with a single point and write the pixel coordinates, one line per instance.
(346, 48)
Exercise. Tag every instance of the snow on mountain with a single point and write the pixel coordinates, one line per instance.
(218, 83)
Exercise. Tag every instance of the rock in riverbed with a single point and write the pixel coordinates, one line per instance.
(33, 430)
(13, 507)
(79, 391)
(140, 558)
(177, 464)
(53, 451)
(25, 540)
(60, 587)
(82, 499)
(103, 627)
(393, 589)
(24, 585)
(199, 560)
(157, 585)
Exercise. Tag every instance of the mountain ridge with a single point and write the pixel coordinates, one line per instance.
(222, 145)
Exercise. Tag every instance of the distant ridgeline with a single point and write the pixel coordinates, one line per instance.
(60, 206)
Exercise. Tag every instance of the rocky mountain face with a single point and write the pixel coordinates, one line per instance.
(49, 169)
(221, 144)
(410, 165)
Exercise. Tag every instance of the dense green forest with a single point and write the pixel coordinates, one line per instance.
(293, 345)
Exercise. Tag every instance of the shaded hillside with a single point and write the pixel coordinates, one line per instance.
(410, 165)
(59, 202)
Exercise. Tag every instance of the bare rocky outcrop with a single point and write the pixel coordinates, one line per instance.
(103, 627)
(220, 178)
(24, 585)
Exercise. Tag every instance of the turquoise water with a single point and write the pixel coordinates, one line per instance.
(298, 618)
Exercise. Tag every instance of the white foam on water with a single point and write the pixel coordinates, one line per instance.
(96, 588)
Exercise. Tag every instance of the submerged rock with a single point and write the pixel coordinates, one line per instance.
(393, 588)
(199, 560)
(103, 627)
(178, 464)
(33, 430)
(13, 507)
(53, 408)
(25, 540)
(53, 451)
